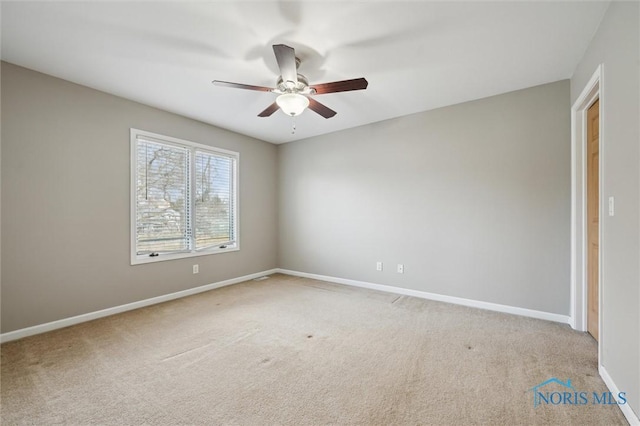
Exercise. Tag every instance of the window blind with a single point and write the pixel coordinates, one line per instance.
(213, 200)
(162, 198)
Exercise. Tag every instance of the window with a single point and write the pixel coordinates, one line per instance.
(183, 198)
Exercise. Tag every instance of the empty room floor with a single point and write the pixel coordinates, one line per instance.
(288, 350)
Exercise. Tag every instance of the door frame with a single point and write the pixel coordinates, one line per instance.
(578, 317)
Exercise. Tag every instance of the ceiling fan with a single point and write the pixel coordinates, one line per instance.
(294, 90)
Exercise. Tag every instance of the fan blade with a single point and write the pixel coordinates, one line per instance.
(241, 86)
(340, 86)
(270, 110)
(286, 58)
(323, 110)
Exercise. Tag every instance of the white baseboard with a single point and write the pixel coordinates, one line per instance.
(66, 322)
(564, 319)
(631, 417)
(572, 323)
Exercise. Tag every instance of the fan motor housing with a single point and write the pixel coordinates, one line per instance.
(301, 86)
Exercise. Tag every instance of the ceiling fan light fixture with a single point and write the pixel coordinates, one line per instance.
(292, 104)
(296, 94)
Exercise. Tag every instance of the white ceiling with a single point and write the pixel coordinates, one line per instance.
(416, 55)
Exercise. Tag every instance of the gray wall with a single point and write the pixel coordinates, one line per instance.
(616, 45)
(473, 199)
(65, 202)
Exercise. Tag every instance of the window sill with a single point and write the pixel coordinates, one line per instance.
(143, 259)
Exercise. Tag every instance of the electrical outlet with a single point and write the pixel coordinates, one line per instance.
(196, 269)
(400, 268)
(378, 266)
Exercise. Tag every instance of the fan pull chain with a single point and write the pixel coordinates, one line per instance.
(293, 125)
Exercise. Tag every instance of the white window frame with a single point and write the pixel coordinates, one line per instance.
(137, 259)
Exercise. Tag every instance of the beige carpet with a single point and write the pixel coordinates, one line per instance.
(296, 351)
